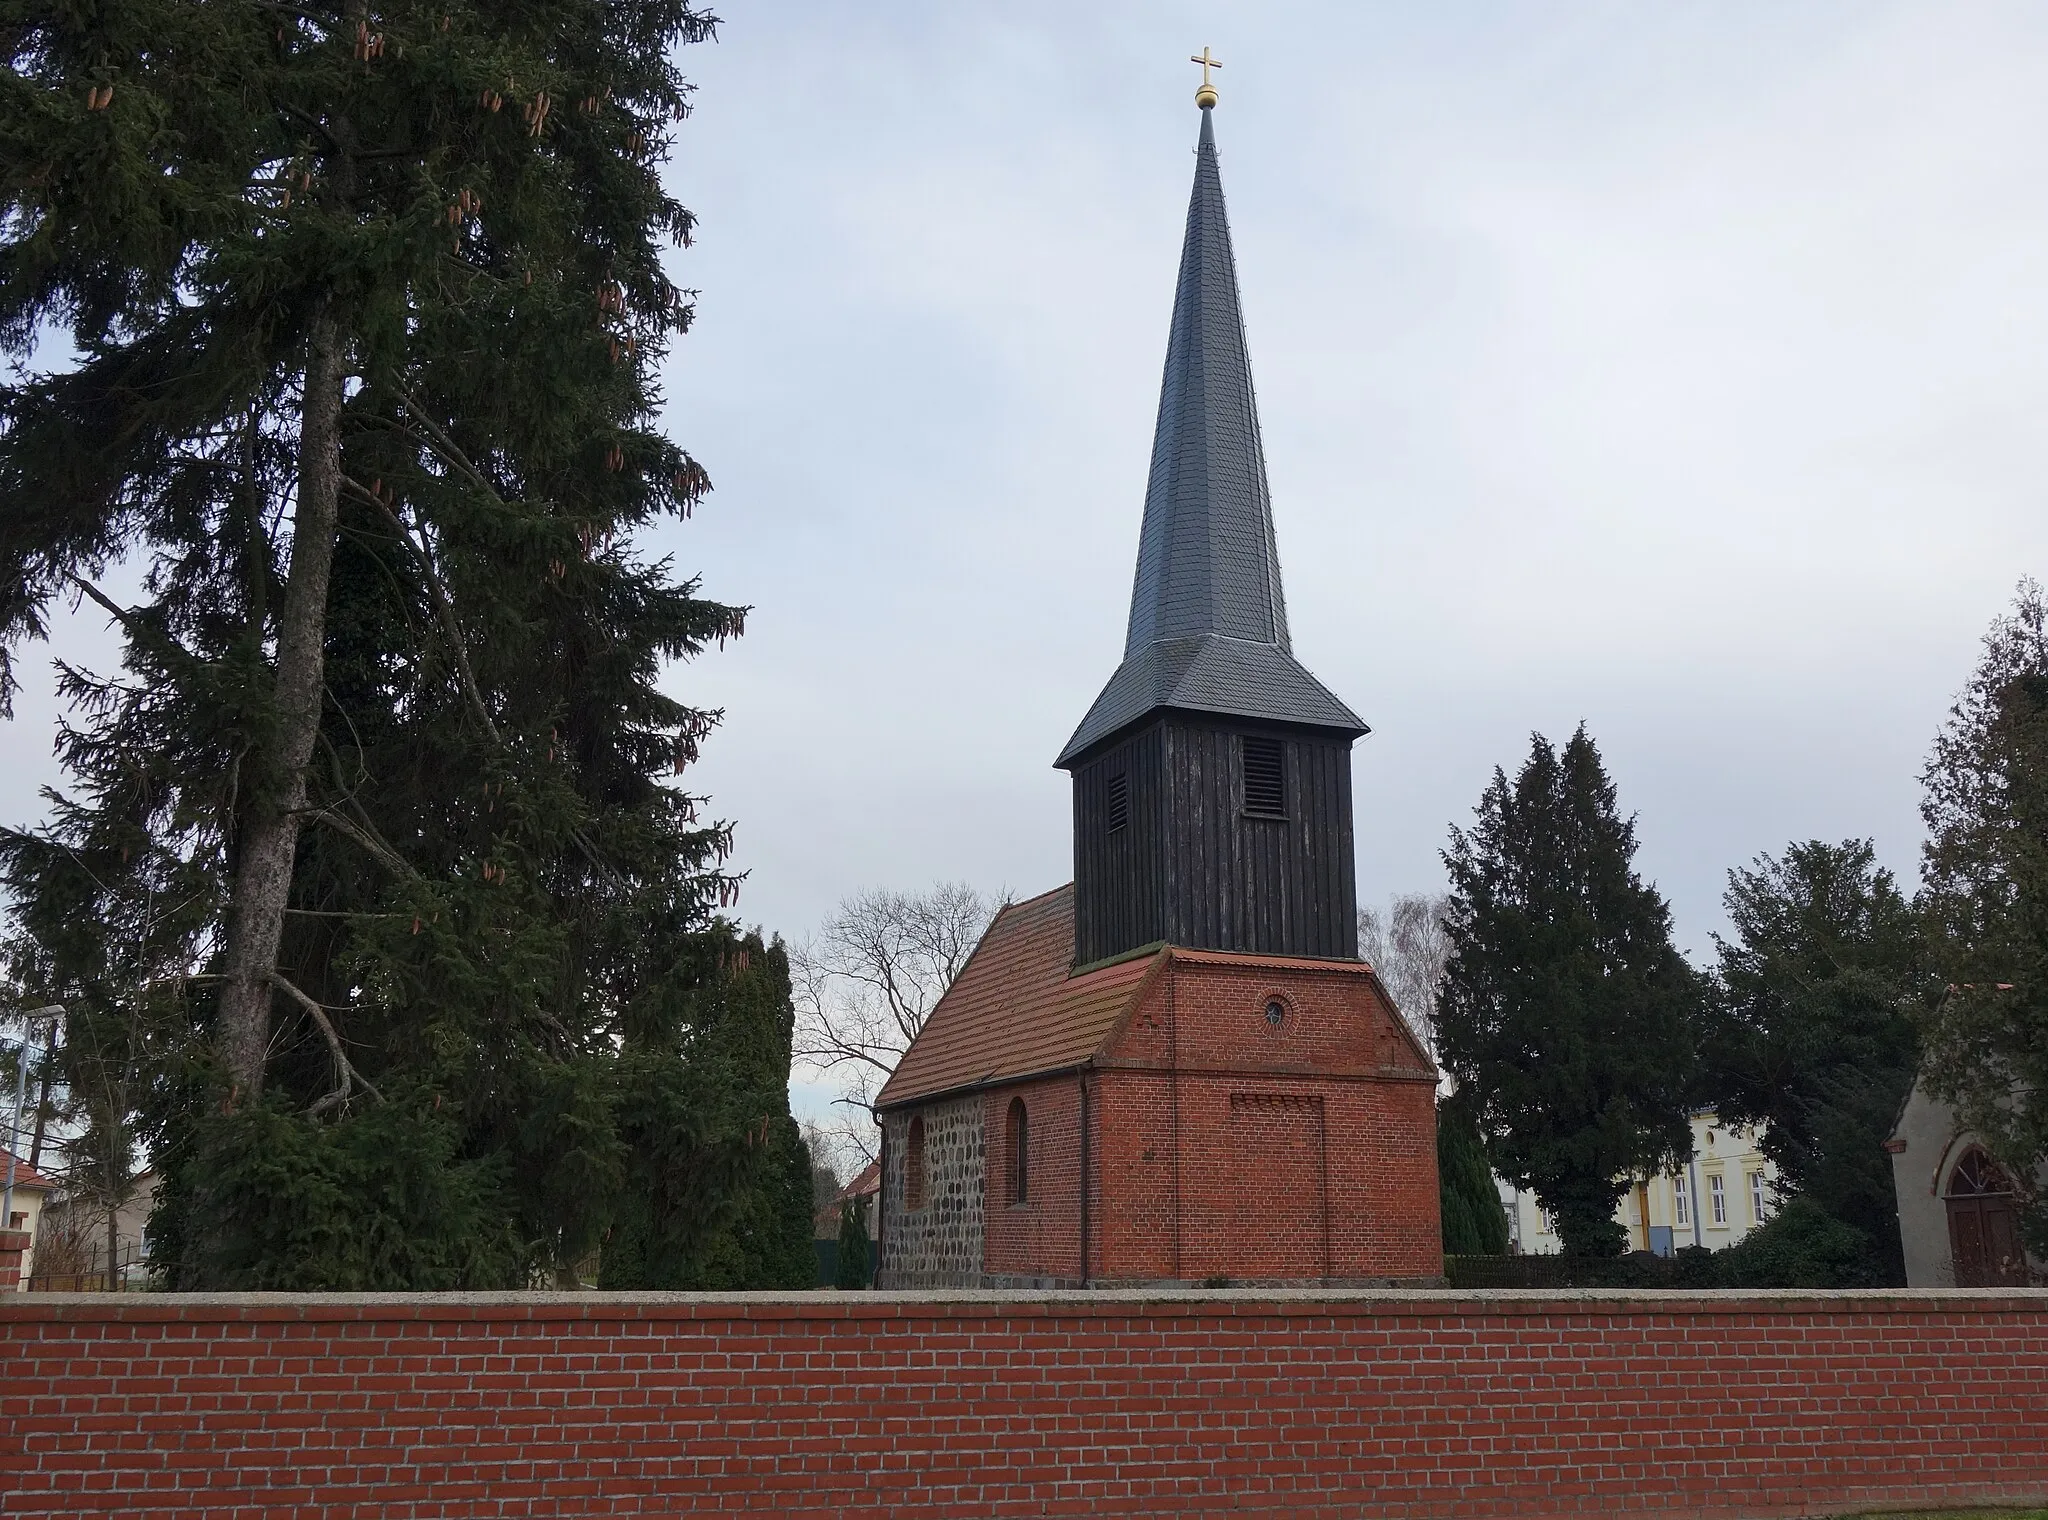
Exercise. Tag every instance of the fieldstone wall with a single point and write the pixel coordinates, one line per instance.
(940, 1244)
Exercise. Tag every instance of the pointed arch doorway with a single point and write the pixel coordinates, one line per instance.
(1983, 1224)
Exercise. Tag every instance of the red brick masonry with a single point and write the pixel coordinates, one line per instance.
(13, 1247)
(1270, 1403)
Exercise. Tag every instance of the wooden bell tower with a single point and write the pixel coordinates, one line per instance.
(1212, 776)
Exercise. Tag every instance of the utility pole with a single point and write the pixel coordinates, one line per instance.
(42, 1124)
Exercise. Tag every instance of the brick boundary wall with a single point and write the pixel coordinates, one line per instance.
(14, 1246)
(1298, 1403)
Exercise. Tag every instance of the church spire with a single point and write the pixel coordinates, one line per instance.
(1208, 624)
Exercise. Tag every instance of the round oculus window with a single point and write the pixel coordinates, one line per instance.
(1276, 1012)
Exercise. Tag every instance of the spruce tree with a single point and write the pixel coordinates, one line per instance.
(1567, 1016)
(1811, 1032)
(365, 307)
(1984, 891)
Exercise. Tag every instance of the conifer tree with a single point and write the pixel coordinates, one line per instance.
(856, 1251)
(365, 303)
(1984, 890)
(718, 1185)
(1474, 1223)
(1811, 1034)
(1567, 1016)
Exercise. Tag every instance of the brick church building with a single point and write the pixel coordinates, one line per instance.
(1176, 1068)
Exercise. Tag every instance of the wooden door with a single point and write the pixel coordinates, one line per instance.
(1983, 1225)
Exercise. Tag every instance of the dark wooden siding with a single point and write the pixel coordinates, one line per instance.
(1120, 876)
(1193, 869)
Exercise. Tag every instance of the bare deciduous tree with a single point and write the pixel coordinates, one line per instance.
(865, 984)
(824, 1150)
(1408, 945)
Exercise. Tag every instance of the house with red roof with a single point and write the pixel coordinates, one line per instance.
(864, 1191)
(1176, 1068)
(32, 1189)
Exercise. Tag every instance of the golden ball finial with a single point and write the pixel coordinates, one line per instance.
(1205, 97)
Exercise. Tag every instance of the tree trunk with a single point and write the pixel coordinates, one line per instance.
(113, 1251)
(270, 828)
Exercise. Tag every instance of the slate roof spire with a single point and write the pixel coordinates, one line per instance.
(1208, 627)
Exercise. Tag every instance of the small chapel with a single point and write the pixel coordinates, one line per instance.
(1176, 1069)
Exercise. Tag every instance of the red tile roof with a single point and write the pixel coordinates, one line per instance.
(1014, 1011)
(25, 1176)
(869, 1181)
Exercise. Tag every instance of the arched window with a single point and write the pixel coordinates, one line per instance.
(1976, 1175)
(1020, 1152)
(913, 1166)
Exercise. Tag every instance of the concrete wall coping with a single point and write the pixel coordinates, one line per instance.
(1228, 1303)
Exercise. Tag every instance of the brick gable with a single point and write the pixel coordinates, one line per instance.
(1184, 1137)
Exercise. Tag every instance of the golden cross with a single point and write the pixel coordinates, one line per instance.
(1207, 64)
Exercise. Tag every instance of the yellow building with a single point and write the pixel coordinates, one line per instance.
(1723, 1193)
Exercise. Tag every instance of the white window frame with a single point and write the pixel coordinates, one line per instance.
(1681, 1206)
(1717, 1192)
(1757, 1207)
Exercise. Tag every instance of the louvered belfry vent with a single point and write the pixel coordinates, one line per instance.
(1265, 773)
(1119, 808)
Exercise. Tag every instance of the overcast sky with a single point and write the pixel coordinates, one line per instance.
(1681, 368)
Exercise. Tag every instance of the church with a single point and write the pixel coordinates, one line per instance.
(1176, 1069)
